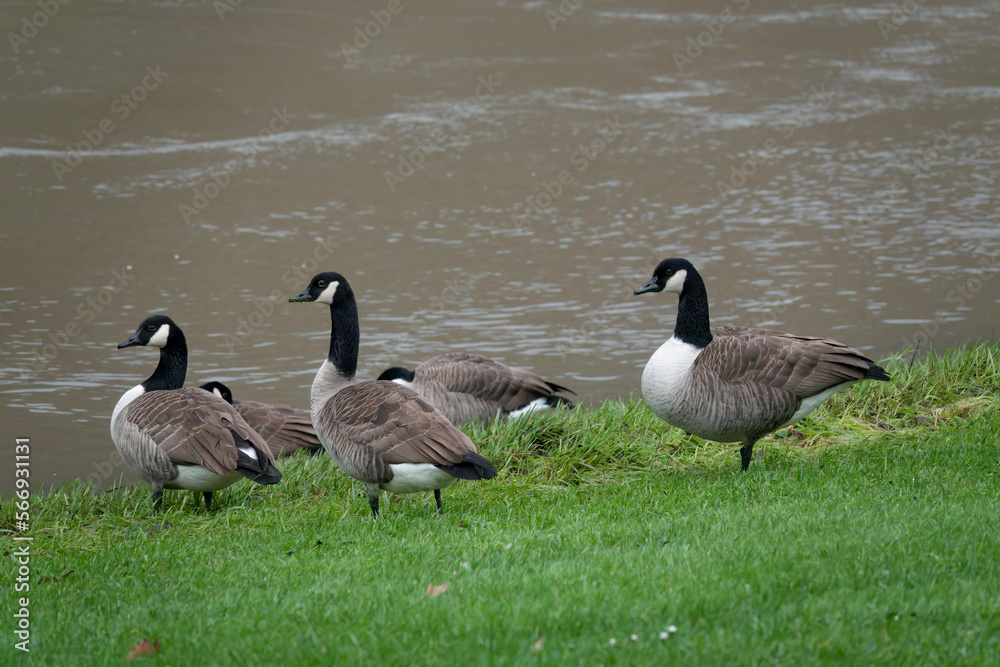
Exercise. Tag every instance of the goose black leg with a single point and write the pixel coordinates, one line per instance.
(373, 503)
(157, 498)
(208, 500)
(437, 499)
(746, 453)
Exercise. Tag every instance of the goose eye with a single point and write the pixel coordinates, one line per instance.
(321, 283)
(151, 327)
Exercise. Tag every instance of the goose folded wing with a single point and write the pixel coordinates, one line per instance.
(263, 418)
(460, 373)
(486, 379)
(194, 427)
(397, 425)
(297, 433)
(802, 365)
(285, 430)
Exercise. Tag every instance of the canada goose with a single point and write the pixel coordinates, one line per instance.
(735, 384)
(287, 431)
(467, 386)
(381, 433)
(178, 438)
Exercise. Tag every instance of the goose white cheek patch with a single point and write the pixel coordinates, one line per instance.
(326, 296)
(159, 339)
(676, 282)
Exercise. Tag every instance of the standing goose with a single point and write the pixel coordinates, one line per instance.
(286, 431)
(465, 387)
(381, 433)
(735, 384)
(178, 438)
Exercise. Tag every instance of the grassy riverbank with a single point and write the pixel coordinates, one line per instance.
(867, 534)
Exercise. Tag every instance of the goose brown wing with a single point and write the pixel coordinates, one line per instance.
(802, 365)
(485, 379)
(195, 427)
(374, 424)
(285, 430)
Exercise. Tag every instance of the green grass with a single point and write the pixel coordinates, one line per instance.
(868, 535)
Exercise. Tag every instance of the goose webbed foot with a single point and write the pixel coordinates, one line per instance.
(437, 500)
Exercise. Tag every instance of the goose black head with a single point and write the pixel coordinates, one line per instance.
(155, 331)
(330, 288)
(670, 275)
(397, 373)
(220, 390)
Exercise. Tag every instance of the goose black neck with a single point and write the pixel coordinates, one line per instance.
(692, 313)
(172, 369)
(345, 336)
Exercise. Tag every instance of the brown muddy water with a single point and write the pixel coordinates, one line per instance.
(490, 176)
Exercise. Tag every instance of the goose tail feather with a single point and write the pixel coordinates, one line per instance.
(559, 401)
(473, 466)
(259, 469)
(876, 372)
(558, 388)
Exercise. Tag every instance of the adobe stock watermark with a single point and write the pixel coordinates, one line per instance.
(921, 162)
(298, 273)
(223, 7)
(566, 9)
(106, 468)
(453, 290)
(901, 13)
(714, 28)
(122, 107)
(782, 300)
(206, 192)
(965, 288)
(885, 200)
(372, 29)
(21, 555)
(434, 141)
(30, 26)
(597, 318)
(608, 132)
(87, 311)
(869, 214)
(819, 99)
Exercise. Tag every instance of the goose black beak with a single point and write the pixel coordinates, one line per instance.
(131, 341)
(304, 296)
(651, 286)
